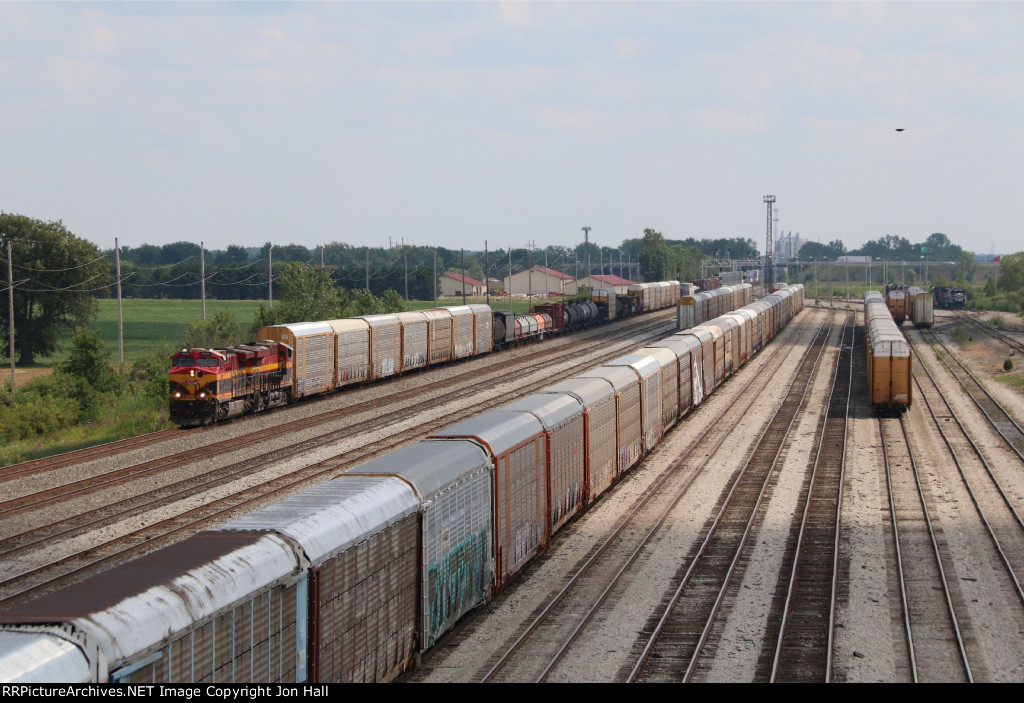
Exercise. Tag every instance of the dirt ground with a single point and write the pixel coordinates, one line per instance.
(23, 376)
(986, 355)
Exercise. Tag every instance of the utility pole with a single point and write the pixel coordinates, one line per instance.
(529, 273)
(120, 314)
(270, 277)
(586, 243)
(769, 248)
(367, 268)
(10, 307)
(405, 258)
(508, 290)
(202, 282)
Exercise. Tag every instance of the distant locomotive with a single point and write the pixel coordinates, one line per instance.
(946, 298)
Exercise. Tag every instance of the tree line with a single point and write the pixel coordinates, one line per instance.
(58, 276)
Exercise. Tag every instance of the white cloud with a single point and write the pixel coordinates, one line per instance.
(733, 121)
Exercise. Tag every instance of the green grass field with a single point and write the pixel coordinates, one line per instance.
(147, 322)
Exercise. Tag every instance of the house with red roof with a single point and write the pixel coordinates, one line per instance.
(617, 283)
(452, 283)
(538, 281)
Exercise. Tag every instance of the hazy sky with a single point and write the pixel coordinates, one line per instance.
(454, 122)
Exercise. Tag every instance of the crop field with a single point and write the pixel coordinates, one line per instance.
(147, 322)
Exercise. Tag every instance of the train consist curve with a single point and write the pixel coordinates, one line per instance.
(355, 578)
(305, 359)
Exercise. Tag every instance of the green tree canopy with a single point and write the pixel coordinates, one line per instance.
(221, 330)
(57, 277)
(1011, 272)
(656, 258)
(306, 294)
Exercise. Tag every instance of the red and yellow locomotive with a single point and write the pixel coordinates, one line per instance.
(208, 385)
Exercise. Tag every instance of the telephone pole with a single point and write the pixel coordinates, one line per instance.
(586, 243)
(769, 264)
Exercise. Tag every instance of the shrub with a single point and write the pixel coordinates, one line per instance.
(1008, 365)
(150, 374)
(960, 336)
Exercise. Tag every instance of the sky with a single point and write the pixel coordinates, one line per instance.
(459, 123)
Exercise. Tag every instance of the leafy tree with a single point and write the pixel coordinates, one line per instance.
(656, 260)
(176, 252)
(990, 286)
(362, 302)
(149, 374)
(306, 293)
(1011, 272)
(234, 254)
(391, 301)
(88, 359)
(56, 279)
(219, 331)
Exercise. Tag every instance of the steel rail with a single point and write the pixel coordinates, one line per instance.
(823, 438)
(1004, 423)
(967, 482)
(649, 496)
(712, 530)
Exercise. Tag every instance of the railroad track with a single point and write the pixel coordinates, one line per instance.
(992, 503)
(48, 463)
(325, 423)
(194, 499)
(935, 648)
(676, 642)
(991, 330)
(1004, 424)
(804, 637)
(541, 646)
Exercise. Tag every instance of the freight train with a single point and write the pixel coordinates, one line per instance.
(305, 359)
(889, 358)
(947, 298)
(920, 308)
(909, 303)
(896, 301)
(353, 579)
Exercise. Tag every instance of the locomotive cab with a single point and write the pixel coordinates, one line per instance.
(216, 384)
(194, 383)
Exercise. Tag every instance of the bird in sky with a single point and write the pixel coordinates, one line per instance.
(899, 129)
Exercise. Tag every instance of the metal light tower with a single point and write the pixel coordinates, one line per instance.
(769, 248)
(586, 243)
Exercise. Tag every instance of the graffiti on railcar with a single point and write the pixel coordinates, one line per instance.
(457, 582)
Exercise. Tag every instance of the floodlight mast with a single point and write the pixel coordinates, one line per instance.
(769, 264)
(586, 243)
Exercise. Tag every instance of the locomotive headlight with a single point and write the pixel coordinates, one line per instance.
(202, 395)
(177, 394)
